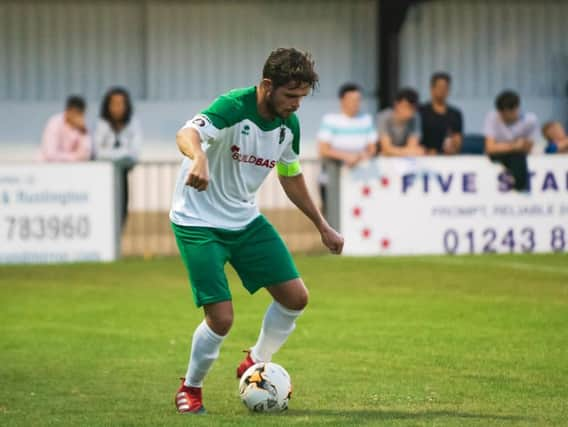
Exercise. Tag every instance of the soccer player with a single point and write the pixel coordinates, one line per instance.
(230, 148)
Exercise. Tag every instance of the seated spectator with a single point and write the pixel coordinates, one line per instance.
(65, 137)
(510, 135)
(442, 124)
(347, 137)
(118, 137)
(399, 127)
(556, 139)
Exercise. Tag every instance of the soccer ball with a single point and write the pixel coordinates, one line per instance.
(265, 387)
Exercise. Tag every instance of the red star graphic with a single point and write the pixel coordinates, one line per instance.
(366, 233)
(385, 181)
(385, 243)
(356, 212)
(366, 190)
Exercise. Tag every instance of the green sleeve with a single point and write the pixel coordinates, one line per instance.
(224, 112)
(294, 125)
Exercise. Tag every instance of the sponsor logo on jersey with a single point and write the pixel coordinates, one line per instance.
(246, 130)
(251, 159)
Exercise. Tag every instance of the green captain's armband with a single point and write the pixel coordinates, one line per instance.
(291, 169)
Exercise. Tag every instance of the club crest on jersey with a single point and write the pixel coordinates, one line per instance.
(246, 130)
(251, 159)
(282, 135)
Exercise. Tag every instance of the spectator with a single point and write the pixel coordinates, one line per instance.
(510, 135)
(442, 124)
(65, 137)
(118, 137)
(348, 137)
(399, 127)
(556, 139)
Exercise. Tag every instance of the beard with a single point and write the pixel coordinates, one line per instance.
(271, 107)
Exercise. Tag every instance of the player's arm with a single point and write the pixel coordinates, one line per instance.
(189, 143)
(295, 188)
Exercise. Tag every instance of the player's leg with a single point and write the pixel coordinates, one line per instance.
(262, 259)
(204, 257)
(205, 347)
(289, 300)
(207, 340)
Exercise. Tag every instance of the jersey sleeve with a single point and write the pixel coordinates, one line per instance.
(289, 162)
(224, 112)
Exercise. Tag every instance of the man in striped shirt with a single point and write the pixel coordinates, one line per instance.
(347, 137)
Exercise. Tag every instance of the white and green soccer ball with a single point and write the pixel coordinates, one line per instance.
(265, 387)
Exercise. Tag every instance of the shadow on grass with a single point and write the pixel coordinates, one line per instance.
(384, 415)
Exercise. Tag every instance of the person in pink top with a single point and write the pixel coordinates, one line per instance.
(65, 138)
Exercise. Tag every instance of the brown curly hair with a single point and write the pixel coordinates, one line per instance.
(286, 65)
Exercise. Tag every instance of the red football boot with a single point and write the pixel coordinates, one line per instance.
(188, 400)
(245, 364)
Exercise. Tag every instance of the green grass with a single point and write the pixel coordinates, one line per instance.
(433, 341)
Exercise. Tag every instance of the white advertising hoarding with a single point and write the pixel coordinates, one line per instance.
(58, 213)
(453, 205)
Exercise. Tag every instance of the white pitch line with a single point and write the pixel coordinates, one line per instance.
(515, 265)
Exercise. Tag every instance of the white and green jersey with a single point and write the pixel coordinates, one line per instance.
(242, 148)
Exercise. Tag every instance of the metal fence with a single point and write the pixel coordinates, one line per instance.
(148, 232)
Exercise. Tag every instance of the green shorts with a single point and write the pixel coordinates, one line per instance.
(257, 253)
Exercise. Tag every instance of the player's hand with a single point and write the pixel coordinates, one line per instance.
(332, 239)
(198, 177)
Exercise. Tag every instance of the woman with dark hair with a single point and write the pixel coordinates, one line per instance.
(118, 137)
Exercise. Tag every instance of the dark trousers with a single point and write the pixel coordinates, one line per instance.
(516, 165)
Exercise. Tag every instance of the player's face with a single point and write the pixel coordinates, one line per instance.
(117, 107)
(440, 90)
(351, 103)
(286, 99)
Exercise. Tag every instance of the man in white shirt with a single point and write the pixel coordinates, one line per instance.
(510, 135)
(347, 137)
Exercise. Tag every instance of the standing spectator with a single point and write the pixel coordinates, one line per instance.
(347, 137)
(442, 124)
(65, 137)
(556, 139)
(399, 127)
(510, 135)
(118, 137)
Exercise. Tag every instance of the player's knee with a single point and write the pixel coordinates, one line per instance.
(300, 300)
(303, 299)
(220, 323)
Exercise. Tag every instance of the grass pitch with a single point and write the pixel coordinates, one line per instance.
(463, 341)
